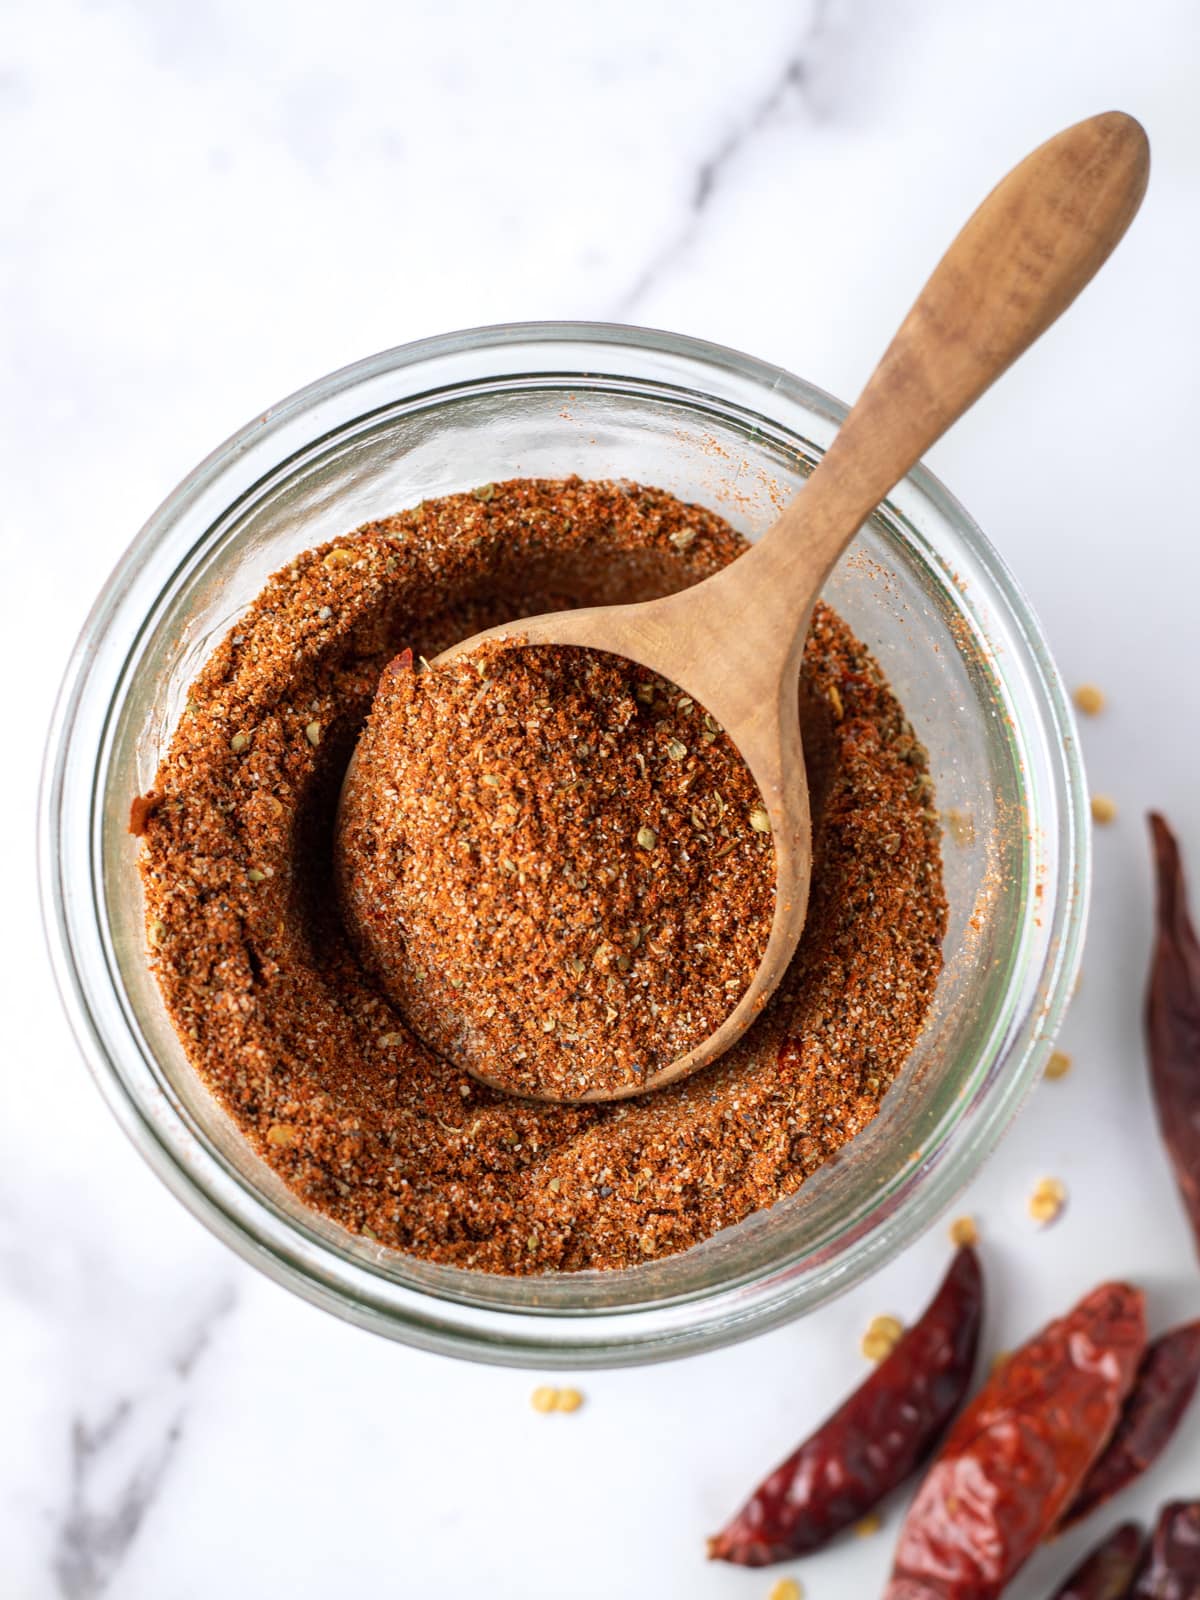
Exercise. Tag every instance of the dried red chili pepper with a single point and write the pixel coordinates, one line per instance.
(877, 1438)
(1161, 1392)
(1173, 1020)
(1106, 1572)
(1170, 1569)
(1016, 1456)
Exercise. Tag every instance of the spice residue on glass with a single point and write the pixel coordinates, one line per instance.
(316, 1064)
(556, 864)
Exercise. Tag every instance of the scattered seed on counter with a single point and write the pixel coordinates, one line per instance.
(1089, 699)
(547, 1398)
(1047, 1201)
(1058, 1065)
(1104, 809)
(866, 1527)
(785, 1589)
(881, 1338)
(963, 1230)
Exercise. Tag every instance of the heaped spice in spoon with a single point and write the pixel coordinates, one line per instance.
(557, 865)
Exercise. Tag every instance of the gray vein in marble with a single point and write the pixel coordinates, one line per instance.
(107, 1504)
(790, 81)
(92, 1543)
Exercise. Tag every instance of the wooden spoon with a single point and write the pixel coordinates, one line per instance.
(734, 642)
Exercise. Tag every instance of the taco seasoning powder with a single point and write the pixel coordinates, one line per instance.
(316, 1065)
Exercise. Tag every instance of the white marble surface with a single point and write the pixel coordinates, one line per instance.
(207, 204)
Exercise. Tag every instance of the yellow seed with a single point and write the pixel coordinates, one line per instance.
(281, 1133)
(868, 1525)
(313, 733)
(647, 838)
(239, 742)
(759, 820)
(786, 1589)
(1047, 1200)
(964, 1231)
(835, 700)
(569, 1400)
(1058, 1065)
(156, 931)
(544, 1399)
(1089, 699)
(881, 1338)
(256, 875)
(340, 557)
(1104, 809)
(676, 750)
(998, 1361)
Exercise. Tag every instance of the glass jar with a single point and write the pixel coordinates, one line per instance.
(921, 586)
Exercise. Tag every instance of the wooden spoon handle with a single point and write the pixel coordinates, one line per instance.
(1033, 244)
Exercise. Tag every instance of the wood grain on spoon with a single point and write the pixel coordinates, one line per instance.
(734, 642)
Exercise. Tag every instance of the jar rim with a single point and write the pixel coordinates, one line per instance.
(72, 893)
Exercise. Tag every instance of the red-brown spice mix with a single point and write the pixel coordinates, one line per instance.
(557, 865)
(314, 1063)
